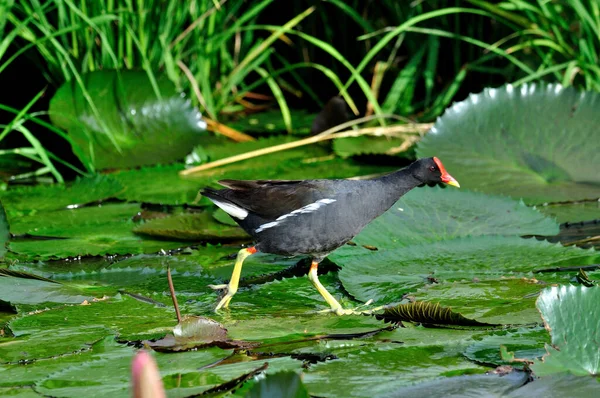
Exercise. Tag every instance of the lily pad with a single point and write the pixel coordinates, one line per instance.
(437, 214)
(386, 275)
(380, 369)
(486, 385)
(20, 290)
(129, 124)
(191, 226)
(85, 232)
(533, 142)
(526, 344)
(447, 235)
(572, 212)
(130, 319)
(194, 333)
(183, 374)
(368, 145)
(33, 347)
(498, 301)
(560, 385)
(29, 201)
(572, 316)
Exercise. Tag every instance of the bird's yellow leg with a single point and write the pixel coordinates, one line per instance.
(336, 307)
(232, 287)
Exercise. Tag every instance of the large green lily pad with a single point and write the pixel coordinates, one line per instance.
(30, 201)
(573, 212)
(535, 141)
(437, 214)
(89, 231)
(380, 369)
(127, 317)
(34, 291)
(572, 315)
(191, 226)
(386, 275)
(526, 344)
(448, 235)
(129, 124)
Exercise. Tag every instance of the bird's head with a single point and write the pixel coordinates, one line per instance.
(431, 172)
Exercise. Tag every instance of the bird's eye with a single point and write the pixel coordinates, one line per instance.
(431, 168)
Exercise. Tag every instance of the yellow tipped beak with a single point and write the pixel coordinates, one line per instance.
(448, 179)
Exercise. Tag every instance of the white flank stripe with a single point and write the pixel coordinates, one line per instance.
(232, 210)
(266, 226)
(305, 209)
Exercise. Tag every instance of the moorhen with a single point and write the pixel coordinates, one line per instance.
(314, 217)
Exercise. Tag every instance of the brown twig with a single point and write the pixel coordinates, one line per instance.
(172, 290)
(400, 131)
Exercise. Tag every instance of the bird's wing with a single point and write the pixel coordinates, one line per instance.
(269, 199)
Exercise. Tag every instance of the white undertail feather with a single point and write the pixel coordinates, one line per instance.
(305, 209)
(232, 210)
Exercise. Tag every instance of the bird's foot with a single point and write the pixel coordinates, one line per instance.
(229, 293)
(354, 311)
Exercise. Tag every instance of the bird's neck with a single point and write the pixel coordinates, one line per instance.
(396, 184)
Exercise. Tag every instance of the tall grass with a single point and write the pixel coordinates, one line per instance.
(219, 42)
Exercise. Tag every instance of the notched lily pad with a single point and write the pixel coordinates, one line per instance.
(572, 316)
(427, 313)
(191, 226)
(145, 128)
(195, 332)
(533, 142)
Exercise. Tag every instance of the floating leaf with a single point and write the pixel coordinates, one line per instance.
(22, 288)
(282, 384)
(572, 315)
(572, 212)
(183, 374)
(487, 385)
(375, 370)
(385, 275)
(437, 214)
(147, 128)
(159, 184)
(35, 346)
(29, 201)
(194, 333)
(559, 385)
(525, 344)
(129, 318)
(428, 314)
(532, 142)
(89, 231)
(504, 300)
(191, 226)
(368, 145)
(443, 234)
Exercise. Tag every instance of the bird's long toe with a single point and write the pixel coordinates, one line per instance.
(219, 287)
